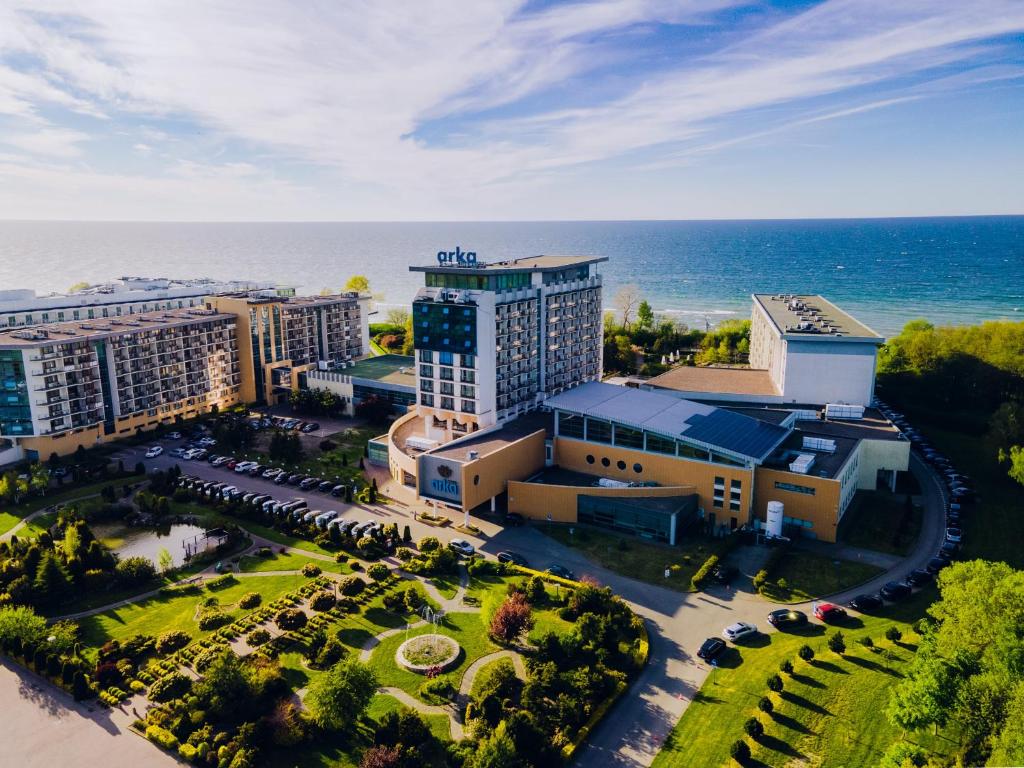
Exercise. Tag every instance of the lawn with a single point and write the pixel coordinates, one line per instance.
(12, 514)
(288, 561)
(994, 527)
(874, 522)
(809, 576)
(354, 630)
(636, 558)
(830, 714)
(465, 628)
(448, 586)
(381, 704)
(160, 614)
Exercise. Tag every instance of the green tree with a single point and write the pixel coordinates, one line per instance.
(39, 478)
(164, 560)
(339, 696)
(1015, 458)
(644, 315)
(1008, 748)
(51, 583)
(21, 623)
(496, 751)
(358, 283)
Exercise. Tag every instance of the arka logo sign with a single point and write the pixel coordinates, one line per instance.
(458, 258)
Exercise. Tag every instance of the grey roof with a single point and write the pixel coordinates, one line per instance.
(673, 417)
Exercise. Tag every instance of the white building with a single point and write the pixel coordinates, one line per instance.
(126, 296)
(493, 341)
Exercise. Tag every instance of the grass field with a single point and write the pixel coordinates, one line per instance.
(636, 558)
(382, 704)
(12, 514)
(808, 576)
(163, 613)
(873, 522)
(288, 561)
(830, 714)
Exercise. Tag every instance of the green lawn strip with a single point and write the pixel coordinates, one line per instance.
(831, 713)
(994, 527)
(448, 586)
(633, 557)
(464, 628)
(12, 514)
(547, 620)
(485, 672)
(355, 629)
(809, 576)
(279, 538)
(162, 613)
(873, 522)
(289, 561)
(381, 704)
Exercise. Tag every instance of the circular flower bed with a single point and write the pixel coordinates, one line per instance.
(428, 652)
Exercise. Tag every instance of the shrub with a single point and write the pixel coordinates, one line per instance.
(867, 642)
(137, 686)
(368, 547)
(753, 728)
(207, 657)
(893, 634)
(786, 667)
(172, 641)
(250, 600)
(759, 581)
(766, 705)
(739, 751)
(172, 686)
(221, 582)
(378, 572)
(351, 585)
(212, 618)
(438, 689)
(806, 652)
(702, 574)
(290, 618)
(161, 737)
(511, 619)
(428, 544)
(311, 570)
(134, 570)
(775, 683)
(188, 752)
(322, 601)
(405, 554)
(258, 637)
(837, 643)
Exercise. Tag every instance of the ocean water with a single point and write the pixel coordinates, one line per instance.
(885, 271)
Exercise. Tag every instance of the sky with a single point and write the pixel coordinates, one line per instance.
(505, 110)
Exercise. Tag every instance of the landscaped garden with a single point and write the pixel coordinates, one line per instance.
(883, 521)
(796, 576)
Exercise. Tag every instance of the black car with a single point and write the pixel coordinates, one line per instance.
(325, 486)
(337, 490)
(309, 482)
(295, 479)
(787, 617)
(918, 577)
(256, 471)
(724, 574)
(936, 564)
(313, 427)
(894, 591)
(948, 550)
(866, 603)
(562, 573)
(711, 648)
(512, 557)
(514, 519)
(281, 479)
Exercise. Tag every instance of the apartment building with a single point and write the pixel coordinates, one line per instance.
(120, 298)
(66, 385)
(281, 337)
(493, 341)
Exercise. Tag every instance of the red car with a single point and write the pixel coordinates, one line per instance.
(829, 613)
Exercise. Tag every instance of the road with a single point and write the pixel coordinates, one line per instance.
(677, 622)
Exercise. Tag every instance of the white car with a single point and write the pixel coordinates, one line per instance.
(462, 546)
(954, 535)
(153, 452)
(738, 631)
(244, 466)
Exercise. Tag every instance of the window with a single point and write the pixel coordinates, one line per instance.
(590, 458)
(621, 465)
(599, 431)
(447, 358)
(570, 425)
(468, 361)
(426, 356)
(447, 374)
(447, 388)
(660, 444)
(427, 400)
(794, 488)
(426, 385)
(605, 462)
(468, 406)
(427, 371)
(638, 468)
(448, 403)
(628, 438)
(690, 452)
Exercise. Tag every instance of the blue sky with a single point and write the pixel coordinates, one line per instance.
(613, 109)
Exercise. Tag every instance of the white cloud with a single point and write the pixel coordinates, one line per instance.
(53, 142)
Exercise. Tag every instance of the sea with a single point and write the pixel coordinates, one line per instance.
(884, 271)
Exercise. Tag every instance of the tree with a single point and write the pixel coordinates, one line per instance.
(644, 316)
(893, 634)
(512, 618)
(358, 283)
(739, 751)
(52, 582)
(397, 316)
(135, 570)
(337, 698)
(626, 301)
(837, 643)
(1008, 748)
(496, 751)
(39, 478)
(381, 756)
(22, 624)
(753, 728)
(1015, 458)
(165, 560)
(903, 755)
(806, 652)
(775, 684)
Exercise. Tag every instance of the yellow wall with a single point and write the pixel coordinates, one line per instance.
(517, 461)
(822, 509)
(398, 461)
(64, 443)
(664, 470)
(239, 307)
(536, 500)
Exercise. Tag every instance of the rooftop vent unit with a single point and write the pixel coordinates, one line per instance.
(472, 455)
(32, 334)
(819, 444)
(843, 411)
(802, 463)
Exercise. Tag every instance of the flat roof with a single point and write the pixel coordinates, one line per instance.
(541, 263)
(827, 320)
(825, 465)
(302, 301)
(673, 417)
(739, 381)
(490, 442)
(80, 330)
(391, 369)
(874, 426)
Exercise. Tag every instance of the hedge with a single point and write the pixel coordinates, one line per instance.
(548, 577)
(595, 717)
(161, 737)
(697, 582)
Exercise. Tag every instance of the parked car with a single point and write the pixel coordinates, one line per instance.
(936, 564)
(462, 547)
(954, 535)
(177, 452)
(512, 557)
(894, 591)
(337, 490)
(787, 617)
(313, 427)
(918, 577)
(281, 478)
(561, 572)
(295, 479)
(866, 603)
(949, 550)
(711, 648)
(270, 474)
(153, 452)
(829, 613)
(309, 482)
(325, 486)
(739, 631)
(245, 466)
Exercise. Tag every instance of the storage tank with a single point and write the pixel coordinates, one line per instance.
(773, 524)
